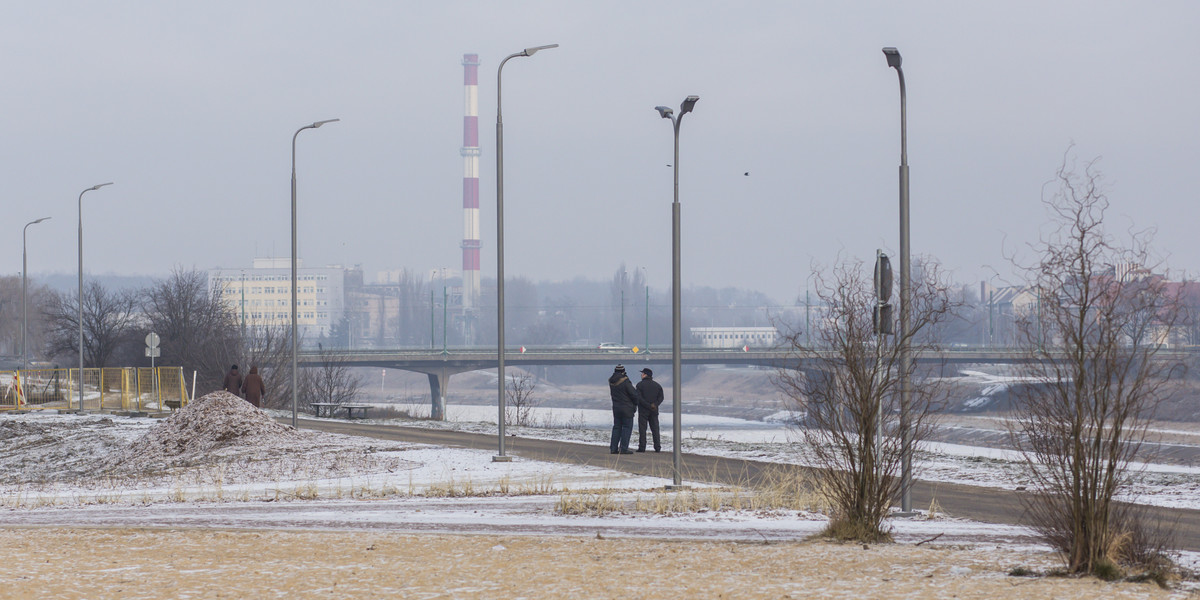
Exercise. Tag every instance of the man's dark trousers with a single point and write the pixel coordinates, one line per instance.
(621, 432)
(651, 420)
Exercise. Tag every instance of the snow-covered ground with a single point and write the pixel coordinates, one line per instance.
(1168, 485)
(222, 463)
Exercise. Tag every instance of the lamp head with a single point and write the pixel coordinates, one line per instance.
(533, 50)
(320, 123)
(98, 186)
(665, 111)
(893, 57)
(40, 220)
(687, 105)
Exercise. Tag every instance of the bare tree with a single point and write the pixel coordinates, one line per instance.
(1095, 343)
(109, 321)
(331, 381)
(845, 380)
(199, 331)
(519, 399)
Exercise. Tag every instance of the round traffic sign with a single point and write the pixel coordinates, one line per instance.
(152, 340)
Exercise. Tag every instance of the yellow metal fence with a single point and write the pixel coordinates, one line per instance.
(118, 388)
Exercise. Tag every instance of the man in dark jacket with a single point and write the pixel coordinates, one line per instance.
(233, 382)
(651, 395)
(624, 405)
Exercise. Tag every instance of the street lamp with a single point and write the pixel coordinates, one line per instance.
(676, 326)
(893, 61)
(25, 296)
(80, 299)
(295, 298)
(501, 457)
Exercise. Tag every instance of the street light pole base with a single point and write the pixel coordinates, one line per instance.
(501, 459)
(676, 488)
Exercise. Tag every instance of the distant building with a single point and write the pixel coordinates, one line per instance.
(259, 295)
(735, 337)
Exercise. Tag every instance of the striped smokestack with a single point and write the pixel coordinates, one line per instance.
(470, 154)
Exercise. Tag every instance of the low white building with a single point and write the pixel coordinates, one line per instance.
(259, 295)
(735, 337)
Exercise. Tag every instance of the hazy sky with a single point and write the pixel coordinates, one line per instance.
(190, 107)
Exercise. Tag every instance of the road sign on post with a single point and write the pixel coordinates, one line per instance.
(882, 314)
(153, 352)
(883, 277)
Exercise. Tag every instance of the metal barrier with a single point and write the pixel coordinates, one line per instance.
(108, 389)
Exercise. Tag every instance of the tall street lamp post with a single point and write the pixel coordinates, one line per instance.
(80, 298)
(25, 296)
(295, 298)
(893, 61)
(501, 456)
(676, 327)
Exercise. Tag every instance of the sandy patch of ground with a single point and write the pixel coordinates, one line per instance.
(146, 563)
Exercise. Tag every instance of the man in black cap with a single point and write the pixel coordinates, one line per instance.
(651, 395)
(625, 401)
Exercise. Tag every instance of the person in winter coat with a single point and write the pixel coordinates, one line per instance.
(256, 390)
(624, 405)
(651, 395)
(233, 382)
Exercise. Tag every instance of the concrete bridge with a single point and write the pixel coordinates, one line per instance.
(440, 365)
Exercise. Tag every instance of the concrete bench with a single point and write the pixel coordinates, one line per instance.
(326, 407)
(350, 408)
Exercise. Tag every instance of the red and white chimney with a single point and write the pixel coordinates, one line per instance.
(470, 154)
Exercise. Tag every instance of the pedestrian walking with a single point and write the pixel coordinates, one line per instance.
(651, 395)
(254, 388)
(624, 406)
(233, 382)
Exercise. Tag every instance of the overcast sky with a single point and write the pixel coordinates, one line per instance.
(190, 109)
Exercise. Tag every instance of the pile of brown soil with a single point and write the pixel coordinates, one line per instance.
(207, 425)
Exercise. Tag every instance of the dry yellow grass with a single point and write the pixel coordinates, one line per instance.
(141, 563)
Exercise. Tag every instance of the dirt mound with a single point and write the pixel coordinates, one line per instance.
(207, 425)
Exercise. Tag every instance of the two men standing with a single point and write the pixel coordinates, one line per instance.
(628, 400)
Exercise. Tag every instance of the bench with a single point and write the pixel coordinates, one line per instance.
(350, 408)
(326, 407)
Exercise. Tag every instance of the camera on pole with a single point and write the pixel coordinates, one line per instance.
(881, 316)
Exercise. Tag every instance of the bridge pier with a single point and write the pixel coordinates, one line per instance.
(439, 382)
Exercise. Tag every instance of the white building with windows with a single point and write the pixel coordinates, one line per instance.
(735, 337)
(259, 295)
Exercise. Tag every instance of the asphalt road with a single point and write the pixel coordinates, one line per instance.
(989, 505)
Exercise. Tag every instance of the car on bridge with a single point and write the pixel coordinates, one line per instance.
(613, 347)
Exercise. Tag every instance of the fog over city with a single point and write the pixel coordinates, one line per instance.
(789, 158)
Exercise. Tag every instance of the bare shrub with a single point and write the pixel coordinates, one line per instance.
(846, 381)
(519, 399)
(332, 380)
(1095, 345)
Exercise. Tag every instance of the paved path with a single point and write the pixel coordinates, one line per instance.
(989, 505)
